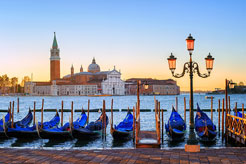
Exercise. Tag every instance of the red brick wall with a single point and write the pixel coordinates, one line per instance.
(54, 69)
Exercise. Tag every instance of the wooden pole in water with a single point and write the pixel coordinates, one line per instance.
(42, 113)
(185, 109)
(34, 112)
(10, 113)
(212, 108)
(223, 108)
(103, 121)
(18, 103)
(229, 98)
(138, 99)
(219, 115)
(226, 95)
(134, 126)
(162, 126)
(236, 108)
(12, 123)
(112, 115)
(88, 112)
(176, 103)
(72, 114)
(242, 110)
(62, 113)
(159, 110)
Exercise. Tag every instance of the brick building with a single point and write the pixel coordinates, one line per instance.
(155, 87)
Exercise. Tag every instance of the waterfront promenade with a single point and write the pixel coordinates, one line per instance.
(207, 155)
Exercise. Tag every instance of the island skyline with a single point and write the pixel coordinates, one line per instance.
(136, 38)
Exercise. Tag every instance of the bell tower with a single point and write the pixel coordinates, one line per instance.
(54, 60)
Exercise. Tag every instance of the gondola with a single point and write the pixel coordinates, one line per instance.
(25, 121)
(124, 129)
(64, 132)
(176, 127)
(32, 132)
(204, 127)
(92, 130)
(3, 122)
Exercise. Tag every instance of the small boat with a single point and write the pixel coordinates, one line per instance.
(205, 129)
(209, 97)
(124, 129)
(32, 132)
(3, 122)
(176, 127)
(92, 130)
(64, 132)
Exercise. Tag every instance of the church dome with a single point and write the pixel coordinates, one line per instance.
(93, 67)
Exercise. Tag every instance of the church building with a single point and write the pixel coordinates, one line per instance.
(92, 82)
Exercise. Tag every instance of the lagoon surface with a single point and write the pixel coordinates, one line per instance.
(120, 102)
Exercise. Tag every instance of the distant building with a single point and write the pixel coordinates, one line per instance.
(92, 82)
(155, 87)
(113, 85)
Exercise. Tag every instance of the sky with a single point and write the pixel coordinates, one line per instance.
(136, 36)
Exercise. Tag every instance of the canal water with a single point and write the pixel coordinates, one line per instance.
(120, 102)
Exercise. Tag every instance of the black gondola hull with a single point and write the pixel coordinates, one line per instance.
(23, 134)
(118, 135)
(3, 135)
(83, 133)
(55, 135)
(176, 136)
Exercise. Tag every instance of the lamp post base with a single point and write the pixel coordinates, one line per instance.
(192, 148)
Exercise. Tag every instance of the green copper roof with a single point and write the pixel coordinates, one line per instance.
(55, 45)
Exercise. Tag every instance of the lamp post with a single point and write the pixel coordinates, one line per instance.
(191, 67)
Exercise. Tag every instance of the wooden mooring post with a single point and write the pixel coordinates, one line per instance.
(162, 127)
(72, 114)
(229, 101)
(176, 103)
(223, 108)
(62, 113)
(18, 105)
(219, 115)
(112, 116)
(88, 112)
(185, 109)
(12, 123)
(134, 124)
(212, 109)
(34, 112)
(42, 113)
(242, 110)
(235, 110)
(103, 122)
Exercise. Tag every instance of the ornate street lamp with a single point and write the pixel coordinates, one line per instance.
(191, 67)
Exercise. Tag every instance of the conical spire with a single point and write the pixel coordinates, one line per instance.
(55, 45)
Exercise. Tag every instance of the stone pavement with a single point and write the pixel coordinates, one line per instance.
(130, 156)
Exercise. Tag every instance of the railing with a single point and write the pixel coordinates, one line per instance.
(236, 125)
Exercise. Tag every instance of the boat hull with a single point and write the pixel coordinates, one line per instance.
(120, 134)
(23, 134)
(176, 135)
(83, 133)
(55, 135)
(3, 135)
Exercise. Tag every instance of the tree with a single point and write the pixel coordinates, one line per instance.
(4, 82)
(14, 82)
(241, 84)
